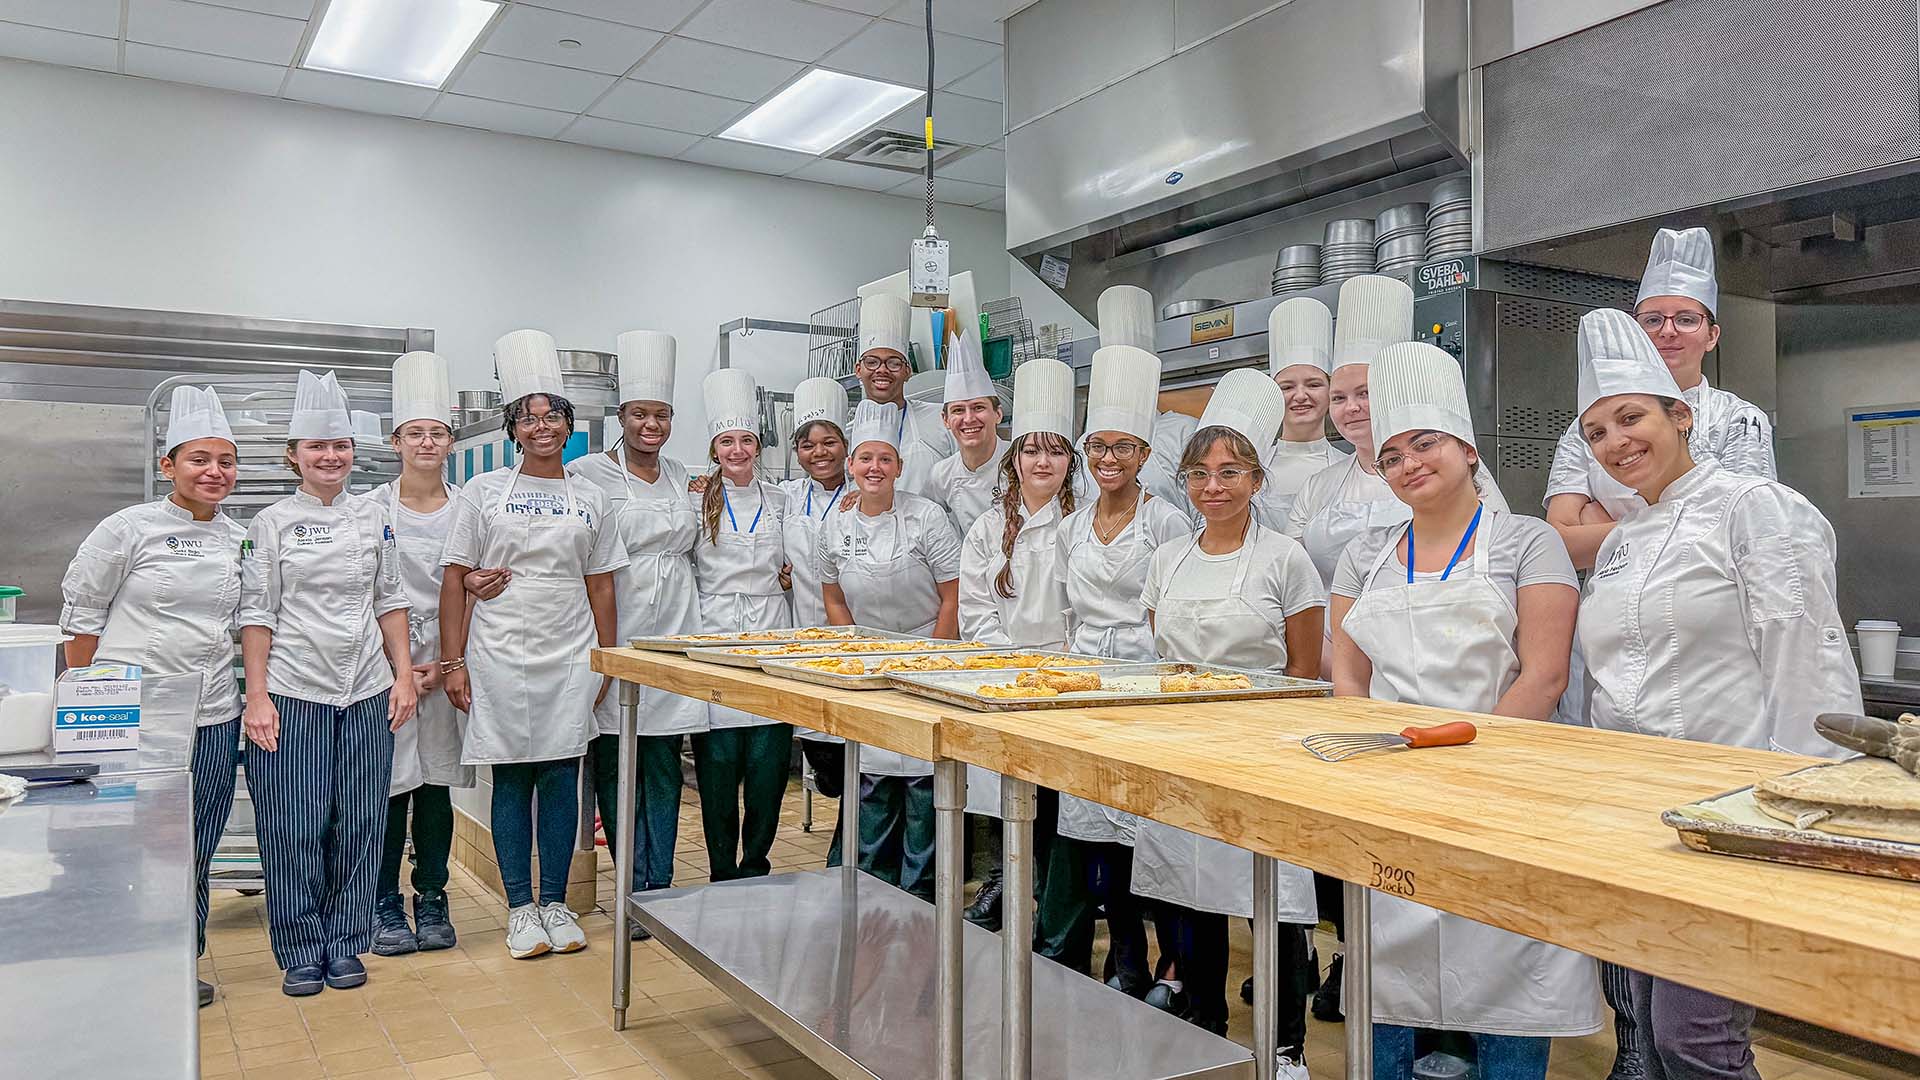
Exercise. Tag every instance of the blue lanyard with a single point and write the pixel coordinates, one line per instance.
(830, 502)
(734, 524)
(902, 433)
(1472, 527)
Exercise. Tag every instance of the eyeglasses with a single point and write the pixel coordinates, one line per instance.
(422, 438)
(1227, 476)
(1121, 451)
(1686, 322)
(1422, 447)
(874, 363)
(557, 421)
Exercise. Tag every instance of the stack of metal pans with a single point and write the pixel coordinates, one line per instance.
(1400, 238)
(1297, 269)
(1347, 250)
(1450, 218)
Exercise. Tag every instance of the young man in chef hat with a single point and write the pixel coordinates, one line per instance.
(963, 481)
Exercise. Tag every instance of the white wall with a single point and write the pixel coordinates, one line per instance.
(134, 193)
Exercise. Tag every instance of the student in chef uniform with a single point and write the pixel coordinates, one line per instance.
(883, 369)
(1711, 615)
(157, 584)
(1245, 596)
(891, 562)
(1100, 560)
(1299, 355)
(1469, 608)
(1676, 306)
(741, 760)
(654, 595)
(965, 481)
(426, 753)
(323, 630)
(820, 446)
(1126, 315)
(518, 664)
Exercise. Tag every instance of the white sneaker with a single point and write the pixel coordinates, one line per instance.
(526, 937)
(1288, 1066)
(563, 930)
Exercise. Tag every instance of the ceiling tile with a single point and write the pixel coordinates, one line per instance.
(968, 18)
(715, 69)
(663, 106)
(898, 53)
(864, 7)
(59, 47)
(999, 204)
(738, 155)
(224, 72)
(781, 27)
(955, 119)
(652, 14)
(98, 17)
(979, 166)
(988, 84)
(297, 9)
(847, 174)
(498, 116)
(244, 35)
(957, 192)
(636, 138)
(535, 34)
(502, 78)
(363, 95)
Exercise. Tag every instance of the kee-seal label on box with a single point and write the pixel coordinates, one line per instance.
(97, 708)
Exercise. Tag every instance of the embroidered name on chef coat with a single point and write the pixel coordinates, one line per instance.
(185, 547)
(312, 535)
(1615, 563)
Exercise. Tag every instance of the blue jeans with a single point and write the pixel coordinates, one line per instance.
(515, 787)
(1501, 1057)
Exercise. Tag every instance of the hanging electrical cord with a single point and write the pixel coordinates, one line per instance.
(930, 228)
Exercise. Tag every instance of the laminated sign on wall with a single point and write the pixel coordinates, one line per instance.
(1883, 460)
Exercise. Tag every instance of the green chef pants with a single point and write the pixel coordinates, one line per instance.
(742, 776)
(896, 831)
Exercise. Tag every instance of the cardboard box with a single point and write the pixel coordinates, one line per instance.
(97, 708)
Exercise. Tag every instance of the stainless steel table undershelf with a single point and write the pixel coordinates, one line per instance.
(96, 930)
(841, 966)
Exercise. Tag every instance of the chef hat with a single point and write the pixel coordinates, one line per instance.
(646, 366)
(1681, 264)
(1617, 357)
(319, 409)
(886, 322)
(195, 413)
(366, 427)
(820, 398)
(874, 421)
(1300, 331)
(528, 363)
(967, 377)
(733, 403)
(1126, 317)
(1249, 403)
(1415, 386)
(1043, 398)
(421, 389)
(1124, 391)
(1375, 311)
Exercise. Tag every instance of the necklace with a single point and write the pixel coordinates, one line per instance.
(1106, 535)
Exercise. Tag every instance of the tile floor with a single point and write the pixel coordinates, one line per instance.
(472, 1011)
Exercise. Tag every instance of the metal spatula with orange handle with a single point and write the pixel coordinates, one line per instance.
(1340, 746)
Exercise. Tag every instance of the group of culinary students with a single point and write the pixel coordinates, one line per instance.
(395, 639)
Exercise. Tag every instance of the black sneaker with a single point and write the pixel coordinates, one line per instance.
(1246, 990)
(206, 993)
(391, 934)
(1165, 998)
(433, 929)
(303, 981)
(1326, 1000)
(636, 932)
(346, 972)
(985, 909)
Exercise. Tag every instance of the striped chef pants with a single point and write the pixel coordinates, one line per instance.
(216, 753)
(320, 808)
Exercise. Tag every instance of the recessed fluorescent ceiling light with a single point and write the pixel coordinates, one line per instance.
(418, 42)
(821, 111)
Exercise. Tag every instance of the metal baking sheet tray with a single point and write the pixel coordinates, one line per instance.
(682, 642)
(791, 668)
(959, 687)
(724, 654)
(1731, 824)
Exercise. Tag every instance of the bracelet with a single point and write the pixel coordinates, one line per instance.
(448, 667)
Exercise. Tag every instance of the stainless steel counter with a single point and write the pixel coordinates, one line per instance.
(1891, 697)
(96, 930)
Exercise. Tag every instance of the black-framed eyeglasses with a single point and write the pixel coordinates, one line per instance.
(891, 363)
(1121, 451)
(557, 421)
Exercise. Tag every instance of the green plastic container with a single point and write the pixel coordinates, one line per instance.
(999, 357)
(9, 595)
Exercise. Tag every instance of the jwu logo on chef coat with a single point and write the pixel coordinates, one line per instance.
(1615, 563)
(312, 535)
(187, 547)
(853, 546)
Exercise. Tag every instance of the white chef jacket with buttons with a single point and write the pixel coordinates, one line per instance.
(319, 576)
(966, 493)
(924, 440)
(1726, 428)
(1035, 617)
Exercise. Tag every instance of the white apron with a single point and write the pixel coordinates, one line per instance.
(1170, 863)
(529, 650)
(654, 593)
(1035, 618)
(754, 543)
(1449, 643)
(888, 590)
(808, 505)
(426, 749)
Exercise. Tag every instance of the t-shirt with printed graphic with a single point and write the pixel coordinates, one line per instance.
(532, 496)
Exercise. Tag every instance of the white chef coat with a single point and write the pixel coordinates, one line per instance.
(426, 749)
(1161, 473)
(738, 574)
(654, 594)
(320, 576)
(1238, 620)
(1448, 640)
(966, 493)
(1711, 615)
(923, 441)
(529, 649)
(1344, 500)
(889, 567)
(1726, 428)
(1288, 465)
(808, 504)
(161, 590)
